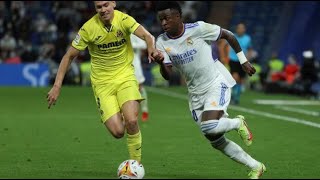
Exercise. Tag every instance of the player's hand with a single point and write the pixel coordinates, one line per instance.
(155, 55)
(53, 95)
(248, 68)
(158, 58)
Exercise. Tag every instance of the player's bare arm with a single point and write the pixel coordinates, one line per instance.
(229, 36)
(53, 94)
(165, 69)
(142, 33)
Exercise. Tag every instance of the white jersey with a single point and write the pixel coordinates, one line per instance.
(191, 55)
(138, 45)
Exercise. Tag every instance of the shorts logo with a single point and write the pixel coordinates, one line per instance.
(77, 39)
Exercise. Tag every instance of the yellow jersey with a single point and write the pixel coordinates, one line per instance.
(110, 49)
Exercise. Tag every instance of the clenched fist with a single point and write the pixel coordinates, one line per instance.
(248, 68)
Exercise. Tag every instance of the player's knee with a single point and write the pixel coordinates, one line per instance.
(132, 123)
(209, 127)
(117, 134)
(217, 141)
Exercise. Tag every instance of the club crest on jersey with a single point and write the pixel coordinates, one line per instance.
(189, 41)
(119, 34)
(97, 38)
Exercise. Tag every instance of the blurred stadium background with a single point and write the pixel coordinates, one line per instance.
(68, 141)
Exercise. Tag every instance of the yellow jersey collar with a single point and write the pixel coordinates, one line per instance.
(112, 22)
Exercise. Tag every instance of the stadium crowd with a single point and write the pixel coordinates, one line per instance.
(41, 31)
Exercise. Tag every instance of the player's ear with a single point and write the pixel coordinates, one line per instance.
(177, 14)
(114, 4)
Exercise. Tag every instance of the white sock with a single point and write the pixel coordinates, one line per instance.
(144, 103)
(220, 126)
(235, 152)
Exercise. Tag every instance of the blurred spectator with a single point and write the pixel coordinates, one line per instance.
(8, 47)
(291, 70)
(308, 75)
(255, 80)
(8, 42)
(309, 67)
(13, 58)
(235, 67)
(189, 9)
(47, 52)
(275, 68)
(40, 31)
(28, 54)
(158, 80)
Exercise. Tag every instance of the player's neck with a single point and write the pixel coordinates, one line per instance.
(179, 32)
(108, 23)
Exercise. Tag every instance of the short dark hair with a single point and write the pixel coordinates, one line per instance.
(163, 5)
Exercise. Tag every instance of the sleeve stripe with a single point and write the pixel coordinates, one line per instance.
(219, 34)
(78, 48)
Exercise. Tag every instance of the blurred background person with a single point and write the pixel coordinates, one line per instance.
(274, 68)
(308, 76)
(138, 46)
(235, 67)
(139, 49)
(255, 82)
(291, 70)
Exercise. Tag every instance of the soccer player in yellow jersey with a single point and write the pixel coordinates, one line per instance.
(116, 90)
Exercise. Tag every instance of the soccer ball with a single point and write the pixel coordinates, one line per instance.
(130, 169)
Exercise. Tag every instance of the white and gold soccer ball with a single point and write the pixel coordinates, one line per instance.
(130, 169)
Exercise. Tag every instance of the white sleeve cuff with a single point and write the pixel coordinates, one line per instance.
(242, 58)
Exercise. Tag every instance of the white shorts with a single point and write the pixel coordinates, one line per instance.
(138, 70)
(217, 97)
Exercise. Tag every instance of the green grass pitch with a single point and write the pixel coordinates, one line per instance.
(68, 141)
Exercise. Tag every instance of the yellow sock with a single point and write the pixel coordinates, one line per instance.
(134, 146)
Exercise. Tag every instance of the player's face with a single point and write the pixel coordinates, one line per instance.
(241, 29)
(105, 9)
(168, 20)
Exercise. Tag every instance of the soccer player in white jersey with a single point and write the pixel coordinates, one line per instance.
(138, 46)
(209, 83)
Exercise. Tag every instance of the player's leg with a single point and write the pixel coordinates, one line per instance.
(109, 110)
(115, 125)
(129, 97)
(236, 153)
(215, 123)
(144, 103)
(140, 77)
(240, 86)
(236, 89)
(215, 118)
(130, 111)
(243, 78)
